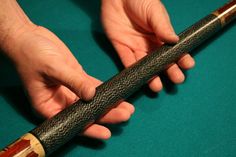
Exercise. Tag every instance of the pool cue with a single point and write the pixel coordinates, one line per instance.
(53, 133)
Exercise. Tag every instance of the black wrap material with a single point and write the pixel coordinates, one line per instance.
(58, 130)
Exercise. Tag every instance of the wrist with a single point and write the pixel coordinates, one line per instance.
(13, 23)
(11, 38)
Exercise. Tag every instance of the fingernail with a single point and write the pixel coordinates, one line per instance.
(174, 37)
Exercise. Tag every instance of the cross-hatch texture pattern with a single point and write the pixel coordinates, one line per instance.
(58, 130)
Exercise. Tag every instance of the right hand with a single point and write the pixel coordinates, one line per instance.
(136, 28)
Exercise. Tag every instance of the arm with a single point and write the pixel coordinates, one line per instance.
(13, 21)
(37, 53)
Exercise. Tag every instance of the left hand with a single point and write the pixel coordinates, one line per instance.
(54, 79)
(136, 28)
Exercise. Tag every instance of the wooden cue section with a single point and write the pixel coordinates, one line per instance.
(26, 146)
(53, 133)
(227, 13)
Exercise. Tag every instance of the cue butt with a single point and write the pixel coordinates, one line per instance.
(53, 133)
(27, 146)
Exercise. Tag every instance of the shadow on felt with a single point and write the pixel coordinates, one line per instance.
(12, 91)
(92, 9)
(87, 142)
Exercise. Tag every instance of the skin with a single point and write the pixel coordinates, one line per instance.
(52, 76)
(136, 28)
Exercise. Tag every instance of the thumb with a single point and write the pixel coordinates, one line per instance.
(76, 80)
(160, 22)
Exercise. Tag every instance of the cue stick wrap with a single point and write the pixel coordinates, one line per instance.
(58, 130)
(71, 121)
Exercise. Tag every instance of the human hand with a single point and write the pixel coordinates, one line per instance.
(136, 28)
(54, 79)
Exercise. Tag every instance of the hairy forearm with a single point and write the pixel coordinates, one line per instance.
(12, 21)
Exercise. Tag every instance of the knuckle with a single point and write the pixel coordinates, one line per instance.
(50, 69)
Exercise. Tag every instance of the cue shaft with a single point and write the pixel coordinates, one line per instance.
(53, 133)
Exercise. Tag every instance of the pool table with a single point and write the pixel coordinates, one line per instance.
(196, 118)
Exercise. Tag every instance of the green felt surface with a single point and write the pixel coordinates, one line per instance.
(197, 118)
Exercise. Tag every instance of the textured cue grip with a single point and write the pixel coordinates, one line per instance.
(61, 128)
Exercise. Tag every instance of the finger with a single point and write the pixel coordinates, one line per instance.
(126, 54)
(116, 115)
(155, 84)
(160, 23)
(47, 111)
(97, 131)
(94, 81)
(127, 106)
(139, 54)
(61, 98)
(186, 62)
(70, 96)
(75, 80)
(175, 74)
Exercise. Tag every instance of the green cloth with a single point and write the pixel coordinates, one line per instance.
(197, 118)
